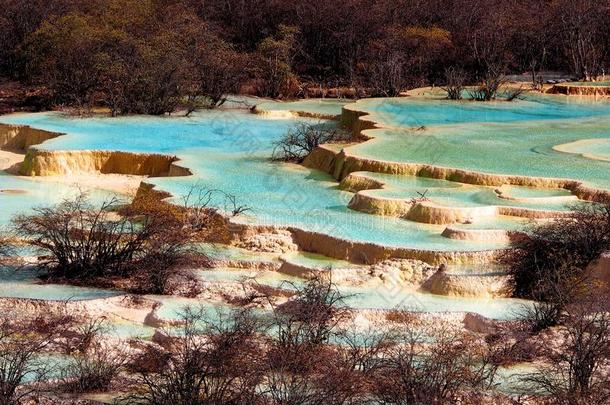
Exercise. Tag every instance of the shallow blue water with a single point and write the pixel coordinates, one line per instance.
(384, 296)
(229, 151)
(411, 112)
(500, 137)
(24, 283)
(21, 194)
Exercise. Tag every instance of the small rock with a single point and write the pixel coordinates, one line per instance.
(279, 241)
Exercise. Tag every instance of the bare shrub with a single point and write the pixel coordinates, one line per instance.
(18, 363)
(402, 57)
(151, 241)
(319, 377)
(212, 362)
(455, 80)
(23, 339)
(511, 94)
(302, 354)
(83, 335)
(575, 374)
(301, 140)
(311, 317)
(82, 241)
(303, 365)
(433, 366)
(551, 261)
(5, 248)
(94, 370)
(233, 207)
(542, 315)
(492, 81)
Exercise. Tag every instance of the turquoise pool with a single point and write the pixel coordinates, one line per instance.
(500, 137)
(451, 194)
(380, 296)
(21, 194)
(229, 150)
(24, 283)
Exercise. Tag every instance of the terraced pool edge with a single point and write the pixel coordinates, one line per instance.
(341, 164)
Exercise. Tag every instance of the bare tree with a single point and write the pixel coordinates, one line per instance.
(511, 94)
(93, 370)
(311, 318)
(455, 80)
(303, 365)
(19, 362)
(301, 140)
(81, 241)
(492, 81)
(274, 62)
(583, 27)
(150, 241)
(5, 249)
(24, 338)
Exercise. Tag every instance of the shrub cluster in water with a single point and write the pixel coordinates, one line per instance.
(308, 350)
(301, 140)
(148, 241)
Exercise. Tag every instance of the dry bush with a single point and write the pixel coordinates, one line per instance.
(94, 370)
(19, 363)
(24, 337)
(542, 315)
(93, 364)
(310, 319)
(303, 364)
(83, 335)
(511, 94)
(150, 241)
(576, 373)
(149, 360)
(5, 249)
(302, 354)
(455, 80)
(81, 241)
(321, 376)
(301, 140)
(492, 81)
(433, 366)
(364, 351)
(211, 362)
(550, 262)
(401, 316)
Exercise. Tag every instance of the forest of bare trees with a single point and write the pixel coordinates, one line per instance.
(152, 56)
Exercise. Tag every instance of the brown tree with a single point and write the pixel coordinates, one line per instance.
(301, 140)
(274, 56)
(24, 338)
(557, 252)
(433, 366)
(584, 33)
(405, 57)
